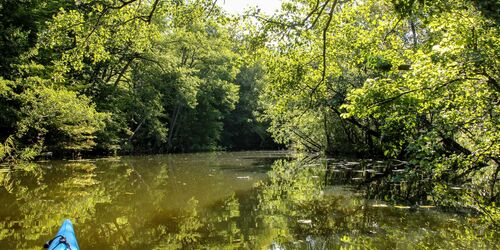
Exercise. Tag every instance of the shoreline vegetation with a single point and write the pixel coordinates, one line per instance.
(412, 82)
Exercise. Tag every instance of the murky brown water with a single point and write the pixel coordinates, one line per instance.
(244, 200)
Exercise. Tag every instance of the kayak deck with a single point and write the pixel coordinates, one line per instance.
(65, 238)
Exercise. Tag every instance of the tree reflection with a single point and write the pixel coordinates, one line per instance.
(301, 211)
(34, 203)
(119, 204)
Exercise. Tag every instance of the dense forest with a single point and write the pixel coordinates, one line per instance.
(411, 80)
(119, 77)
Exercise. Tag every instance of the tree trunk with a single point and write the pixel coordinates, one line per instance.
(171, 129)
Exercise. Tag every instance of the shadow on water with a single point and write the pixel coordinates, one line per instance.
(244, 200)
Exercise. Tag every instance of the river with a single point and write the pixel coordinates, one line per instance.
(230, 200)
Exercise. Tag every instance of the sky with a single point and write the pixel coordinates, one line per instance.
(238, 6)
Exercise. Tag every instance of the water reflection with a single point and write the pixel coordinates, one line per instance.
(249, 200)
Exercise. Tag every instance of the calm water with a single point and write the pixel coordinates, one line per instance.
(244, 200)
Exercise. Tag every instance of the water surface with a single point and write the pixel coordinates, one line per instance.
(244, 200)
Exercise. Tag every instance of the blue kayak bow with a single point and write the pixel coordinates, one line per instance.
(65, 238)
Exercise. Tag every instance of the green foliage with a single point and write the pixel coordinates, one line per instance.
(309, 80)
(124, 77)
(202, 90)
(21, 22)
(241, 129)
(413, 80)
(401, 79)
(442, 113)
(66, 120)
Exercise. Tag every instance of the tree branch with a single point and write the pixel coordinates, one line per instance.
(153, 9)
(324, 50)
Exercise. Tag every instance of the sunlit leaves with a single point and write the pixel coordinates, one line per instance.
(418, 79)
(445, 108)
(71, 119)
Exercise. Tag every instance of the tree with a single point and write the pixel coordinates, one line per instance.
(403, 79)
(241, 128)
(205, 69)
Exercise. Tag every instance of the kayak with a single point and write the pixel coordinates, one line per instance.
(65, 238)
